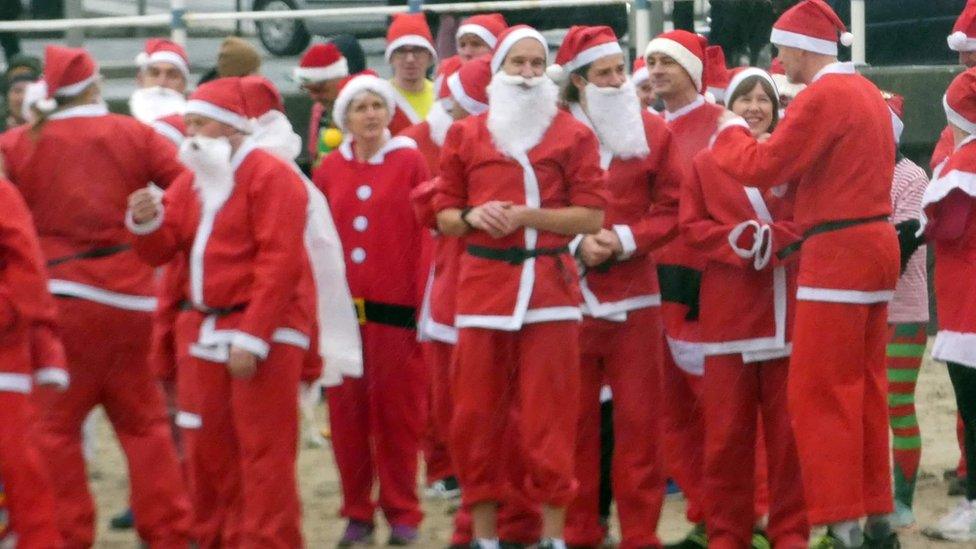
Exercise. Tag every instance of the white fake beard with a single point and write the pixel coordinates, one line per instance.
(213, 177)
(616, 115)
(150, 104)
(440, 121)
(274, 134)
(520, 111)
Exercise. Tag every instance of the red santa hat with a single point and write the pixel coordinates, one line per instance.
(508, 39)
(446, 68)
(717, 74)
(811, 25)
(221, 100)
(362, 82)
(321, 62)
(67, 73)
(409, 29)
(896, 104)
(486, 26)
(172, 127)
(469, 86)
(963, 37)
(639, 72)
(959, 101)
(161, 50)
(582, 46)
(686, 48)
(260, 96)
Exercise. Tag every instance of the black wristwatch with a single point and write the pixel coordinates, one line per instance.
(464, 216)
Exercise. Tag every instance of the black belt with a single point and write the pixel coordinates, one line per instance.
(514, 256)
(827, 227)
(682, 285)
(216, 311)
(94, 253)
(401, 316)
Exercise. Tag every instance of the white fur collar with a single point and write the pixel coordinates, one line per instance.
(671, 116)
(392, 144)
(835, 68)
(81, 111)
(439, 121)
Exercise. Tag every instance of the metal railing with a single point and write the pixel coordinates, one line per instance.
(179, 18)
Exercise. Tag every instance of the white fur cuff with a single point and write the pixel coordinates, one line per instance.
(255, 345)
(142, 229)
(52, 375)
(627, 241)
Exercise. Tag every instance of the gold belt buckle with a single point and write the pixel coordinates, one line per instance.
(360, 309)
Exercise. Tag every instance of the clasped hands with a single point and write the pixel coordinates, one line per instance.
(497, 218)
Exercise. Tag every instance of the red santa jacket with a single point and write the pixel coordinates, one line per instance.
(562, 170)
(841, 154)
(756, 321)
(431, 151)
(370, 203)
(943, 148)
(29, 347)
(950, 206)
(248, 271)
(76, 175)
(642, 208)
(436, 320)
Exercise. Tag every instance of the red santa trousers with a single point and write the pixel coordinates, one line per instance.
(377, 424)
(536, 369)
(628, 357)
(29, 494)
(106, 349)
(684, 433)
(736, 396)
(838, 400)
(438, 355)
(245, 450)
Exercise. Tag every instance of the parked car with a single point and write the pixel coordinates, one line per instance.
(290, 37)
(906, 32)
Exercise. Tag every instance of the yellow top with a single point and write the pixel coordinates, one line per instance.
(421, 101)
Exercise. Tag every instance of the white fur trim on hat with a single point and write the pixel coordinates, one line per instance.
(640, 75)
(220, 114)
(957, 119)
(960, 41)
(72, 90)
(170, 57)
(339, 69)
(692, 64)
(741, 76)
(468, 103)
(479, 31)
(558, 73)
(410, 40)
(789, 39)
(501, 51)
(358, 85)
(897, 125)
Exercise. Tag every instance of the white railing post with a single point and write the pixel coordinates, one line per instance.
(642, 25)
(177, 25)
(415, 6)
(75, 36)
(859, 28)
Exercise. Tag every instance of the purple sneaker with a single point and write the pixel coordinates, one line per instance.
(401, 535)
(358, 533)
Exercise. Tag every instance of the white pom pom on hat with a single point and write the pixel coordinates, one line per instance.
(46, 105)
(556, 73)
(957, 40)
(847, 39)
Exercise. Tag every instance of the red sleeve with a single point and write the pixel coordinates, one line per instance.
(587, 181)
(161, 158)
(943, 148)
(421, 198)
(23, 276)
(452, 189)
(170, 293)
(157, 245)
(949, 217)
(660, 223)
(797, 143)
(46, 348)
(700, 230)
(313, 362)
(277, 213)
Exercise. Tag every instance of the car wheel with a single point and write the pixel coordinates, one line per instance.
(282, 36)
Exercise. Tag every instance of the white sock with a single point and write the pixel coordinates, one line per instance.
(487, 543)
(557, 543)
(849, 532)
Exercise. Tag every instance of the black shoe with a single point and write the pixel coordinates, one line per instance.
(957, 486)
(888, 542)
(696, 539)
(122, 521)
(511, 545)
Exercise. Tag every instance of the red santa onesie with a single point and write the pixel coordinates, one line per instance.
(841, 156)
(104, 291)
(746, 343)
(621, 335)
(251, 293)
(31, 353)
(679, 268)
(378, 420)
(411, 30)
(517, 297)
